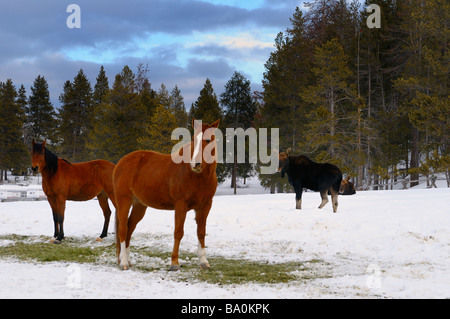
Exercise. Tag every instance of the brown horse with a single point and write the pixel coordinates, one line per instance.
(63, 181)
(163, 181)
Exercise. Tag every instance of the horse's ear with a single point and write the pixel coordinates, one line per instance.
(43, 143)
(288, 151)
(215, 124)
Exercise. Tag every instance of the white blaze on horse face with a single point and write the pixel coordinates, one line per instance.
(197, 150)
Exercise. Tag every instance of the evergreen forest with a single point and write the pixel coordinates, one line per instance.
(373, 101)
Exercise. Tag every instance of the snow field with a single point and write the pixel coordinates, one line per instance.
(380, 244)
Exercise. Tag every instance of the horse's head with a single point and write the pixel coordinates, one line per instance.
(38, 155)
(283, 161)
(203, 146)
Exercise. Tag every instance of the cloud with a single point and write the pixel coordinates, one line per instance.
(183, 41)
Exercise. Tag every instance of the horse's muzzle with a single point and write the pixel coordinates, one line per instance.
(35, 168)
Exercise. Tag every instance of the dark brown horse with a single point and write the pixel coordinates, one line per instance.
(149, 179)
(63, 181)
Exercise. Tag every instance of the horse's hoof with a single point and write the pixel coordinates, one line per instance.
(99, 239)
(204, 266)
(174, 268)
(124, 267)
(56, 241)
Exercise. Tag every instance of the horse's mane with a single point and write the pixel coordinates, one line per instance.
(51, 159)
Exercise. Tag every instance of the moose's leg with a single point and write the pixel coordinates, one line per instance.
(334, 199)
(180, 217)
(103, 202)
(201, 214)
(324, 195)
(298, 196)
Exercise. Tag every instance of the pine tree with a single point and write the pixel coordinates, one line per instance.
(149, 97)
(177, 107)
(41, 114)
(13, 153)
(288, 71)
(158, 133)
(239, 109)
(22, 101)
(423, 84)
(121, 120)
(75, 116)
(237, 102)
(101, 87)
(164, 97)
(334, 99)
(206, 107)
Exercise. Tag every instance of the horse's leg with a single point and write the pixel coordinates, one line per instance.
(180, 217)
(61, 207)
(298, 196)
(334, 199)
(103, 202)
(123, 207)
(137, 213)
(324, 195)
(201, 215)
(52, 202)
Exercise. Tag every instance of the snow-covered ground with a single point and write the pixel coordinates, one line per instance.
(380, 244)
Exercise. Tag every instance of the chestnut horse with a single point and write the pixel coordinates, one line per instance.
(149, 179)
(62, 180)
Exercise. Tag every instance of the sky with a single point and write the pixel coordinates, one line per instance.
(182, 41)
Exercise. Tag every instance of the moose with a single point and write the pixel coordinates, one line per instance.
(347, 187)
(304, 173)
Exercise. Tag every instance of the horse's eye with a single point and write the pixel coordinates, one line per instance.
(207, 141)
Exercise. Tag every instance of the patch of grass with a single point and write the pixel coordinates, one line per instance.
(238, 271)
(38, 249)
(228, 271)
(223, 271)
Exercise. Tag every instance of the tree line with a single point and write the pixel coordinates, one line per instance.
(372, 101)
(109, 122)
